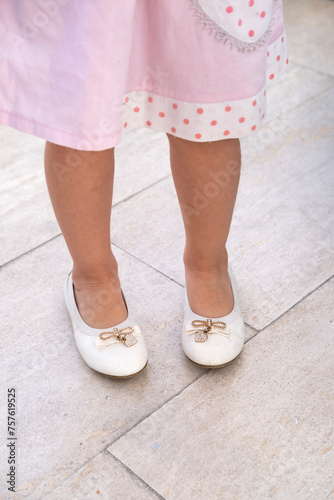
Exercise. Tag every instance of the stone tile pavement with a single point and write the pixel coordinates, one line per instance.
(260, 428)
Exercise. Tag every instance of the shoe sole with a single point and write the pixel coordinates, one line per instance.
(121, 376)
(214, 366)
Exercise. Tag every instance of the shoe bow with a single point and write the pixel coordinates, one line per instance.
(126, 335)
(203, 328)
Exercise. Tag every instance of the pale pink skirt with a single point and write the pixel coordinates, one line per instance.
(79, 72)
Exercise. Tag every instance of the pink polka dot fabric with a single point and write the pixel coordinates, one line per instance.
(80, 73)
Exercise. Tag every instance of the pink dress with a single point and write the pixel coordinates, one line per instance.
(79, 72)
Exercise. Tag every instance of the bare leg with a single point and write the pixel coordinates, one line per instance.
(80, 185)
(206, 178)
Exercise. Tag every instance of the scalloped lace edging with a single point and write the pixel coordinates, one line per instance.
(225, 37)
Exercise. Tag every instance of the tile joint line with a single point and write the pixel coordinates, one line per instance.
(60, 234)
(136, 475)
(156, 409)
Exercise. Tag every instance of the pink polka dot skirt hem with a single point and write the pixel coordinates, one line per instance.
(205, 121)
(200, 74)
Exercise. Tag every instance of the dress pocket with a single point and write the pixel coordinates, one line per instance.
(245, 24)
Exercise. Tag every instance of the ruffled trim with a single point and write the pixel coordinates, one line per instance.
(225, 37)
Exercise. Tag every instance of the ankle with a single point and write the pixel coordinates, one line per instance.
(96, 277)
(208, 278)
(205, 267)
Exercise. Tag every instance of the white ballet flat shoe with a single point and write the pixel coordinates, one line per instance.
(213, 342)
(118, 352)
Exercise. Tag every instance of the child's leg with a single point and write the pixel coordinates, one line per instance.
(206, 177)
(80, 185)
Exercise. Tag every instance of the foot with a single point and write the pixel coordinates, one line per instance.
(100, 305)
(209, 292)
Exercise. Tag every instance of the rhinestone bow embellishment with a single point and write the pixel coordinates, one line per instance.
(125, 335)
(203, 328)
